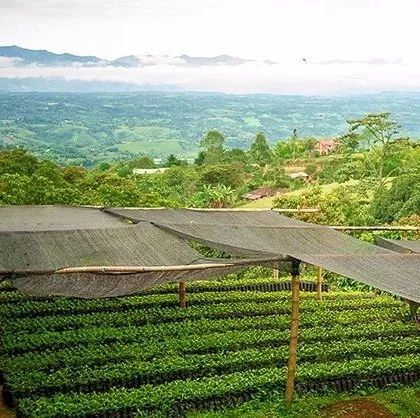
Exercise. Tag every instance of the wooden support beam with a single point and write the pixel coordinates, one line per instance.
(294, 332)
(319, 283)
(181, 294)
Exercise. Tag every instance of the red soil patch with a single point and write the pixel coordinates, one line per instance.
(358, 408)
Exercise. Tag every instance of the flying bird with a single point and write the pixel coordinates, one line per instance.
(304, 60)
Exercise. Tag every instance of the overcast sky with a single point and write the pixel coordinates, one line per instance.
(280, 30)
(273, 29)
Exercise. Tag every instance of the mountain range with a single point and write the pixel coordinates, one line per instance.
(25, 70)
(22, 56)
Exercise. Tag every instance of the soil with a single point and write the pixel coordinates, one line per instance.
(358, 408)
(4, 412)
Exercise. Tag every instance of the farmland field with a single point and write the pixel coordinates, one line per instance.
(143, 355)
(150, 147)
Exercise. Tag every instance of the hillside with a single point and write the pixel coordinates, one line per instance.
(91, 128)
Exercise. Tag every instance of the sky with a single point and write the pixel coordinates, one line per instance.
(348, 44)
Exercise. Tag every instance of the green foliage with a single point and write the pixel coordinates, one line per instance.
(222, 176)
(374, 133)
(173, 161)
(275, 176)
(18, 162)
(400, 200)
(235, 155)
(260, 152)
(343, 205)
(230, 175)
(213, 143)
(289, 150)
(87, 129)
(74, 357)
(141, 162)
(218, 196)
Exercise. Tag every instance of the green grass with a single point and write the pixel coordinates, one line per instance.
(263, 203)
(404, 402)
(268, 202)
(155, 147)
(252, 121)
(144, 133)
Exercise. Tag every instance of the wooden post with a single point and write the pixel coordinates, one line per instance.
(319, 283)
(181, 294)
(294, 332)
(414, 307)
(276, 271)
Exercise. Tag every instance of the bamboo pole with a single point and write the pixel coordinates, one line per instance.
(319, 283)
(181, 294)
(143, 269)
(374, 228)
(240, 209)
(294, 332)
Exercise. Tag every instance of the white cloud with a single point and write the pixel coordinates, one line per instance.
(371, 43)
(246, 78)
(9, 62)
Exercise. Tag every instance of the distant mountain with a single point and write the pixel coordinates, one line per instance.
(45, 58)
(219, 60)
(129, 61)
(146, 61)
(65, 72)
(23, 56)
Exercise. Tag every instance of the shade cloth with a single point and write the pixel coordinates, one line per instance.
(267, 233)
(52, 218)
(37, 238)
(400, 246)
(58, 237)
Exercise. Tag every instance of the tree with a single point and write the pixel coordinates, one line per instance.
(231, 175)
(400, 200)
(218, 196)
(200, 158)
(50, 171)
(235, 155)
(18, 161)
(289, 149)
(275, 176)
(104, 166)
(72, 173)
(294, 143)
(173, 161)
(260, 151)
(213, 143)
(141, 162)
(374, 133)
(310, 146)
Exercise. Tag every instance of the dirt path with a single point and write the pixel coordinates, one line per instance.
(358, 408)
